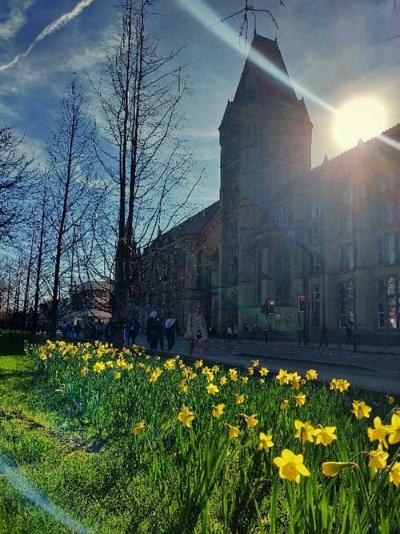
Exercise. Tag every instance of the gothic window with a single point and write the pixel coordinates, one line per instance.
(282, 272)
(347, 257)
(389, 303)
(316, 306)
(347, 304)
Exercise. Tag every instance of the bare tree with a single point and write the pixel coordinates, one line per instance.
(71, 192)
(140, 93)
(15, 171)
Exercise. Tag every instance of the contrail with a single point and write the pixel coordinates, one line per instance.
(206, 16)
(20, 484)
(49, 29)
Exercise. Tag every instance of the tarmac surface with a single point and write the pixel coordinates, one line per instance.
(371, 368)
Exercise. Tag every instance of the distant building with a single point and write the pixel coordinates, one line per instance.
(282, 230)
(89, 301)
(180, 268)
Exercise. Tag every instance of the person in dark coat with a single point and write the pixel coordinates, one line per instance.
(153, 330)
(171, 330)
(134, 329)
(323, 336)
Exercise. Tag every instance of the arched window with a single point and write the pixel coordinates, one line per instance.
(282, 272)
(347, 304)
(389, 303)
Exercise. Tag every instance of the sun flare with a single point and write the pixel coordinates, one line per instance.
(360, 118)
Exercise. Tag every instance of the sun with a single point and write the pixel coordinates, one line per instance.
(360, 118)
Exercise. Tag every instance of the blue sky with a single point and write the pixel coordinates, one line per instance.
(337, 48)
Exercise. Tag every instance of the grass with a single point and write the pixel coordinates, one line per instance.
(68, 430)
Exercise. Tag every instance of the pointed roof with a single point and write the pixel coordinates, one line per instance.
(255, 83)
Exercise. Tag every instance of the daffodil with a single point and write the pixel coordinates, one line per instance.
(170, 364)
(379, 432)
(304, 431)
(250, 371)
(394, 474)
(300, 399)
(282, 377)
(255, 363)
(183, 387)
(291, 466)
(186, 417)
(218, 410)
(198, 364)
(391, 399)
(263, 371)
(244, 379)
(240, 398)
(99, 367)
(360, 409)
(118, 375)
(265, 441)
(325, 435)
(251, 420)
(212, 389)
(233, 374)
(377, 460)
(233, 432)
(223, 380)
(284, 404)
(138, 428)
(394, 429)
(84, 371)
(311, 374)
(331, 469)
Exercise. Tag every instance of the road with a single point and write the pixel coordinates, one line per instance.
(372, 368)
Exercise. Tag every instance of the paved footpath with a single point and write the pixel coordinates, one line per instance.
(373, 368)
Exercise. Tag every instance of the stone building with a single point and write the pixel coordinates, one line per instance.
(329, 234)
(180, 269)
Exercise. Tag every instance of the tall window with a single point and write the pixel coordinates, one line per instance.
(389, 303)
(347, 257)
(347, 304)
(316, 306)
(282, 272)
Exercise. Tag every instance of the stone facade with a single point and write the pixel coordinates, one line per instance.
(330, 234)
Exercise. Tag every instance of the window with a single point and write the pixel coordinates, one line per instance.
(347, 304)
(315, 263)
(389, 250)
(347, 257)
(316, 306)
(282, 272)
(389, 303)
(314, 236)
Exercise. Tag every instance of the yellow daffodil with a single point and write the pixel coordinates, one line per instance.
(84, 371)
(377, 460)
(311, 374)
(294, 379)
(233, 432)
(360, 409)
(282, 377)
(255, 363)
(284, 404)
(339, 384)
(183, 387)
(304, 431)
(379, 432)
(169, 364)
(394, 429)
(291, 466)
(244, 379)
(325, 435)
(218, 410)
(300, 399)
(250, 371)
(233, 374)
(251, 420)
(155, 375)
(138, 428)
(265, 441)
(212, 389)
(215, 368)
(118, 375)
(263, 371)
(262, 380)
(186, 417)
(391, 399)
(240, 398)
(99, 367)
(394, 474)
(331, 469)
(223, 380)
(198, 364)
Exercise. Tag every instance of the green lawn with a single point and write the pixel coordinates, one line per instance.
(89, 486)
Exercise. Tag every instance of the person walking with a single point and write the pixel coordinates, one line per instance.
(229, 332)
(196, 331)
(266, 333)
(171, 330)
(134, 329)
(153, 330)
(323, 336)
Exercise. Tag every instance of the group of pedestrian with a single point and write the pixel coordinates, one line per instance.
(231, 332)
(158, 328)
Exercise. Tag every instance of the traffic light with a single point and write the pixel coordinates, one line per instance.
(301, 303)
(270, 306)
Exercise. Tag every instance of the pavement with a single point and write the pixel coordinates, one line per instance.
(372, 368)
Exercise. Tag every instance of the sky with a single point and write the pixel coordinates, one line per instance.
(337, 49)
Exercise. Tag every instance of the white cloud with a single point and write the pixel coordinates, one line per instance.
(16, 19)
(48, 30)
